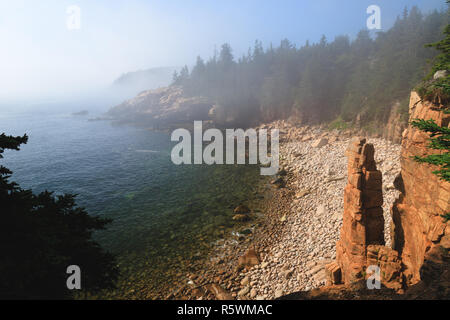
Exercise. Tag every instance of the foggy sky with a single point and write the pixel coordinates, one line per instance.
(41, 58)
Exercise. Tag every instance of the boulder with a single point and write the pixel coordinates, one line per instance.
(333, 272)
(245, 281)
(321, 210)
(389, 263)
(279, 182)
(302, 193)
(241, 217)
(243, 291)
(306, 138)
(241, 209)
(440, 74)
(319, 143)
(279, 293)
(219, 292)
(249, 259)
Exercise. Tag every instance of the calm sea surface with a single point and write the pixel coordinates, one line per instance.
(164, 216)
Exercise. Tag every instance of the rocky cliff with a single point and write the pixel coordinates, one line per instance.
(419, 230)
(395, 125)
(419, 258)
(162, 108)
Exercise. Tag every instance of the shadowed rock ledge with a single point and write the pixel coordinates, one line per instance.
(419, 259)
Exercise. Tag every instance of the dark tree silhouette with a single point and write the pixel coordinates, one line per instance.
(41, 235)
(325, 81)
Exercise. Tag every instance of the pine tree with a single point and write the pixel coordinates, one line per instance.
(41, 235)
(323, 81)
(440, 140)
(438, 92)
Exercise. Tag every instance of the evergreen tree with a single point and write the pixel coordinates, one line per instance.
(440, 140)
(41, 235)
(339, 79)
(438, 91)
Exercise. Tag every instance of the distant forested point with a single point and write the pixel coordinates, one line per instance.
(342, 81)
(137, 81)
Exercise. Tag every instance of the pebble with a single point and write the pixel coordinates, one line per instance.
(296, 253)
(243, 292)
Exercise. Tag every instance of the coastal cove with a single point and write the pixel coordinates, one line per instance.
(166, 218)
(296, 239)
(215, 159)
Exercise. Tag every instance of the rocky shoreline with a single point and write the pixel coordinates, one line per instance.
(302, 214)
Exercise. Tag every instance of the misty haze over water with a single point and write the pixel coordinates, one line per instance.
(260, 61)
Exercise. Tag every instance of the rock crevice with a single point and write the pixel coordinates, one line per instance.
(418, 225)
(362, 234)
(420, 235)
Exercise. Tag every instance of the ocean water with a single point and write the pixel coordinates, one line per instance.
(165, 217)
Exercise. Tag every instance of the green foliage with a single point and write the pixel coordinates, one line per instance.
(438, 91)
(442, 61)
(321, 81)
(446, 217)
(372, 127)
(41, 235)
(338, 124)
(440, 140)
